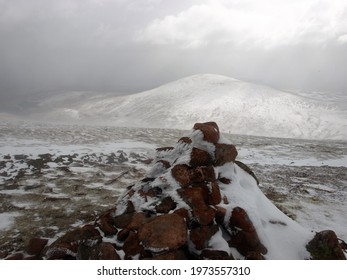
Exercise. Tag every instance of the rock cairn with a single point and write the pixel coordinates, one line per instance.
(176, 212)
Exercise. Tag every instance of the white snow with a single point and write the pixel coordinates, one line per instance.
(238, 107)
(283, 237)
(7, 220)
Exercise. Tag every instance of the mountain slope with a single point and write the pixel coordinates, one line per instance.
(239, 107)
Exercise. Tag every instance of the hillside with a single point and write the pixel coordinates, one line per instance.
(239, 107)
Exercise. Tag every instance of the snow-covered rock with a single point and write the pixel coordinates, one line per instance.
(196, 206)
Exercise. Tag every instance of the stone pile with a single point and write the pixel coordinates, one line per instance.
(176, 212)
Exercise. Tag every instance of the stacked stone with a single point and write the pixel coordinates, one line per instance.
(176, 212)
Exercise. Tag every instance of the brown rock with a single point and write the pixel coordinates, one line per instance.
(163, 233)
(210, 131)
(200, 236)
(244, 236)
(137, 220)
(202, 174)
(149, 193)
(123, 234)
(200, 157)
(215, 196)
(106, 223)
(185, 140)
(220, 215)
(215, 255)
(224, 180)
(164, 163)
(204, 216)
(66, 246)
(164, 149)
(61, 253)
(196, 197)
(122, 221)
(224, 153)
(130, 208)
(102, 251)
(183, 213)
(166, 205)
(132, 246)
(181, 174)
(239, 219)
(36, 245)
(325, 246)
(107, 252)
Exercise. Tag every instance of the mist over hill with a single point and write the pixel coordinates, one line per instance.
(239, 107)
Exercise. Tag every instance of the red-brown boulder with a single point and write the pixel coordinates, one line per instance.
(137, 220)
(224, 153)
(200, 236)
(166, 205)
(132, 247)
(36, 245)
(102, 251)
(210, 131)
(185, 140)
(215, 196)
(181, 174)
(200, 157)
(244, 236)
(66, 246)
(164, 233)
(106, 223)
(202, 174)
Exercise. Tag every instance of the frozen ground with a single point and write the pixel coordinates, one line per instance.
(53, 177)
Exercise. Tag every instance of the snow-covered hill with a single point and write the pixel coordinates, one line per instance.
(239, 107)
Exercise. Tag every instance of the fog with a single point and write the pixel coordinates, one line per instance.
(123, 46)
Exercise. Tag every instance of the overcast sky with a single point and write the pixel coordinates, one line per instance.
(132, 45)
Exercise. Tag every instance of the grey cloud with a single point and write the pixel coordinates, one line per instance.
(92, 48)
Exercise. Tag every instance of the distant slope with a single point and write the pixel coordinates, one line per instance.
(238, 107)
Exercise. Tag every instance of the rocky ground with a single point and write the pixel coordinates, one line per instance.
(55, 177)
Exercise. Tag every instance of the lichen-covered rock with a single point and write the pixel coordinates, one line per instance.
(325, 246)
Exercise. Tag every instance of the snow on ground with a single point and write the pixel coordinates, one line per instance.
(54, 176)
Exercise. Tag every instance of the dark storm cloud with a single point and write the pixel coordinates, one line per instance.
(129, 46)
